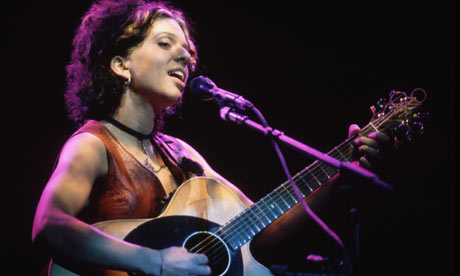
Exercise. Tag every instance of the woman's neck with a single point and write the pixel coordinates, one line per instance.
(135, 113)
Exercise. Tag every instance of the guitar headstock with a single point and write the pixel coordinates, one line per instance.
(397, 116)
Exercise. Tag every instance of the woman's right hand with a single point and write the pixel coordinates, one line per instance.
(178, 261)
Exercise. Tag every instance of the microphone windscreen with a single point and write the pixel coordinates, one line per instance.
(201, 87)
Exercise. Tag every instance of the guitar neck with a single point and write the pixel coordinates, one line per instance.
(242, 228)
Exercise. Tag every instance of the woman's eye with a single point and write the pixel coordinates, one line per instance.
(163, 44)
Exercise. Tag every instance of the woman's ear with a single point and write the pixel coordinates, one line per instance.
(119, 66)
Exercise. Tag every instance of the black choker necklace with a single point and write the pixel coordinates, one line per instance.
(129, 130)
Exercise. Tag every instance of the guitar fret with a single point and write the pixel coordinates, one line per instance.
(240, 239)
(308, 185)
(327, 175)
(247, 236)
(269, 220)
(260, 216)
(266, 214)
(279, 208)
(343, 156)
(291, 195)
(270, 208)
(270, 202)
(299, 184)
(255, 220)
(312, 174)
(275, 206)
(285, 202)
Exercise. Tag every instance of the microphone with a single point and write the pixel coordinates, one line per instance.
(204, 88)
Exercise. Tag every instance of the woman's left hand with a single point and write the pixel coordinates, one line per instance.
(367, 147)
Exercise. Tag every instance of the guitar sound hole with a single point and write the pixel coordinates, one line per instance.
(213, 247)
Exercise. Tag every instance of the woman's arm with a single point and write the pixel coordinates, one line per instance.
(83, 160)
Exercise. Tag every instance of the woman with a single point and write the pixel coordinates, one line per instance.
(130, 61)
(130, 64)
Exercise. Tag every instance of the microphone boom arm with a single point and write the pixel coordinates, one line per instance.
(229, 115)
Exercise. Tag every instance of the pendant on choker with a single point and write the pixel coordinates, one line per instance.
(146, 161)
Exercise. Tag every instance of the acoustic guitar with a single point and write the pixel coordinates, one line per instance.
(206, 216)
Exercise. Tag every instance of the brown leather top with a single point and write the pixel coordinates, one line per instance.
(129, 190)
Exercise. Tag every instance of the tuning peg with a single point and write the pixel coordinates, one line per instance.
(421, 115)
(417, 128)
(406, 131)
(381, 103)
(372, 108)
(401, 131)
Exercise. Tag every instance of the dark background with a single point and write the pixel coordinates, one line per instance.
(312, 69)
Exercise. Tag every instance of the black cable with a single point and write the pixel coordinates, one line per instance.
(306, 208)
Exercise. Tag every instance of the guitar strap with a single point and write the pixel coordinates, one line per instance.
(179, 154)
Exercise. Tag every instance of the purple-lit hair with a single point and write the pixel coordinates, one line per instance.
(110, 28)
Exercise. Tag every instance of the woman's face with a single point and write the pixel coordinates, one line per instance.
(158, 66)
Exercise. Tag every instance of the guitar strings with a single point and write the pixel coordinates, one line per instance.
(336, 152)
(210, 246)
(286, 190)
(339, 154)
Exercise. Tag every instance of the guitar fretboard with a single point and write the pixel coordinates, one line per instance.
(254, 219)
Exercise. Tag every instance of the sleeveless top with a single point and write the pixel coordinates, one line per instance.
(130, 190)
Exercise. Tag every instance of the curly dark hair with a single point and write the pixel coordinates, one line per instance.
(108, 29)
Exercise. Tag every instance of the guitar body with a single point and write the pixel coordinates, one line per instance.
(198, 207)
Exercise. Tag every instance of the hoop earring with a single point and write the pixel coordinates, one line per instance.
(128, 82)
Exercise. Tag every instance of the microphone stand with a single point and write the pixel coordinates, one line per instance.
(228, 114)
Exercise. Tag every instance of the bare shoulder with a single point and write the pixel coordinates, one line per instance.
(84, 143)
(82, 160)
(86, 150)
